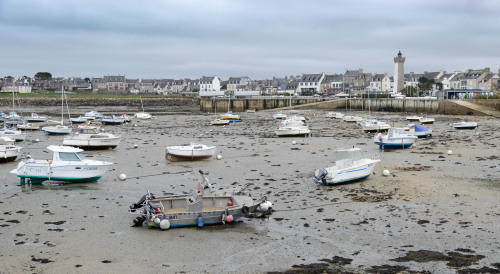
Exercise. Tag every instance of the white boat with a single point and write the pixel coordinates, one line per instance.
(13, 118)
(426, 120)
(8, 150)
(219, 122)
(413, 118)
(35, 118)
(374, 125)
(28, 126)
(465, 125)
(113, 120)
(279, 116)
(142, 115)
(336, 115)
(352, 119)
(92, 115)
(79, 120)
(67, 164)
(15, 135)
(420, 131)
(3, 116)
(193, 151)
(89, 137)
(349, 165)
(59, 129)
(293, 127)
(395, 138)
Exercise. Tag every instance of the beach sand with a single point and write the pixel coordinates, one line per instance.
(436, 212)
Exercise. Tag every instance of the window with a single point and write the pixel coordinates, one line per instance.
(69, 156)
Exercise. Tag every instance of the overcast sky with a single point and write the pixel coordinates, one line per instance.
(259, 39)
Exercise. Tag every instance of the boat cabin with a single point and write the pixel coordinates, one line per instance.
(66, 153)
(345, 157)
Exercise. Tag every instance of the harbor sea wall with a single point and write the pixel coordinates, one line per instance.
(491, 103)
(392, 105)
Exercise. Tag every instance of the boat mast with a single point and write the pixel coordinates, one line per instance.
(62, 106)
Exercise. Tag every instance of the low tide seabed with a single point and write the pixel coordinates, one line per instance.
(436, 212)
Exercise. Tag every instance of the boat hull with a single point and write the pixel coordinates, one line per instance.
(398, 143)
(57, 131)
(8, 155)
(348, 175)
(40, 171)
(89, 144)
(292, 133)
(180, 157)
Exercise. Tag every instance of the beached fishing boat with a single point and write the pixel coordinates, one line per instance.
(279, 116)
(293, 127)
(413, 118)
(465, 125)
(426, 120)
(352, 119)
(143, 116)
(113, 120)
(219, 122)
(28, 126)
(420, 131)
(15, 135)
(204, 206)
(233, 117)
(89, 137)
(79, 120)
(335, 115)
(374, 125)
(8, 150)
(67, 164)
(395, 138)
(349, 165)
(191, 152)
(127, 118)
(35, 118)
(92, 115)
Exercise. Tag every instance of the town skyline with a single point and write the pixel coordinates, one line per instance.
(259, 39)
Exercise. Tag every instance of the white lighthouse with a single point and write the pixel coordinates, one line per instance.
(399, 73)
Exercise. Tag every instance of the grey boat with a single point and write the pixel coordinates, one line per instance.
(203, 207)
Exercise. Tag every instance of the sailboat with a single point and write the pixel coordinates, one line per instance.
(59, 129)
(229, 115)
(142, 115)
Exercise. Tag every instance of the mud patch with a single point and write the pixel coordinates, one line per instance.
(454, 259)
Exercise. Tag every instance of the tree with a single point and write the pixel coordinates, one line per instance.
(87, 79)
(43, 76)
(425, 84)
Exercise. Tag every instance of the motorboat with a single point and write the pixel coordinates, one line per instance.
(92, 115)
(191, 152)
(3, 116)
(465, 125)
(335, 115)
(279, 116)
(142, 116)
(15, 135)
(8, 150)
(79, 120)
(28, 126)
(67, 164)
(293, 127)
(204, 206)
(420, 131)
(35, 118)
(230, 116)
(219, 122)
(89, 137)
(374, 125)
(352, 119)
(113, 120)
(349, 165)
(413, 118)
(426, 120)
(13, 118)
(395, 138)
(57, 130)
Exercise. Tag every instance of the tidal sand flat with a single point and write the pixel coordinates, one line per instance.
(436, 212)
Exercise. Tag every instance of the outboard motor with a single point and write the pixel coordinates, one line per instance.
(141, 201)
(321, 177)
(139, 220)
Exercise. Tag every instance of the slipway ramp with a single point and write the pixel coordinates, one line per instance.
(477, 108)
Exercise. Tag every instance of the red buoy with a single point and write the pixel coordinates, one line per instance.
(229, 218)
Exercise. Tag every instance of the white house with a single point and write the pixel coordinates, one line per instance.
(211, 83)
(311, 83)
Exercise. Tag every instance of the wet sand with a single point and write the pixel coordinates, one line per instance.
(436, 213)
